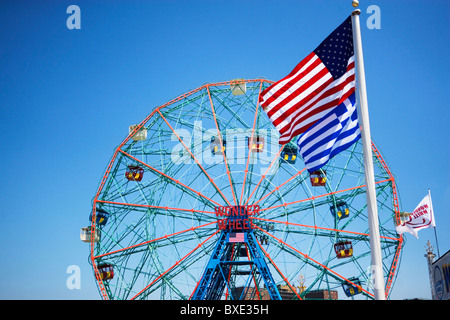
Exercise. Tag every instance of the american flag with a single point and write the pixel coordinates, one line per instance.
(319, 83)
(236, 237)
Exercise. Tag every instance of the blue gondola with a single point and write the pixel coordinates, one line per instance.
(101, 217)
(216, 147)
(341, 210)
(289, 154)
(350, 289)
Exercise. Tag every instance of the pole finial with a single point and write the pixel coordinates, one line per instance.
(356, 12)
(429, 247)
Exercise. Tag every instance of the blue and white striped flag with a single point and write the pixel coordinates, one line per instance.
(334, 133)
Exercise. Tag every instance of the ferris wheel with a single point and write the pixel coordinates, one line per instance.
(201, 202)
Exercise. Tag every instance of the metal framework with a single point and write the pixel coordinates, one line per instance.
(236, 228)
(214, 148)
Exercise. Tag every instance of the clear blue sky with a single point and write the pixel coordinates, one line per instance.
(67, 98)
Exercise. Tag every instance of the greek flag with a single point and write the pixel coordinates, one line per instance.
(334, 133)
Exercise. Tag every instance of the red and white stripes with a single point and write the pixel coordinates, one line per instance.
(297, 101)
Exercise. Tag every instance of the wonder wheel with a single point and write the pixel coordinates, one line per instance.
(201, 202)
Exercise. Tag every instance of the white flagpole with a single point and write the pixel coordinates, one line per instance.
(372, 209)
(434, 221)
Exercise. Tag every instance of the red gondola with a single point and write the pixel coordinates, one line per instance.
(106, 271)
(343, 249)
(318, 178)
(255, 144)
(134, 173)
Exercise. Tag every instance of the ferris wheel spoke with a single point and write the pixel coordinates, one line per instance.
(312, 260)
(264, 175)
(249, 153)
(227, 167)
(170, 277)
(285, 279)
(321, 196)
(155, 240)
(357, 235)
(211, 180)
(164, 209)
(280, 186)
(175, 265)
(234, 115)
(177, 182)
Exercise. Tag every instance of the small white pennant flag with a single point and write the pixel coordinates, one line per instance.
(422, 217)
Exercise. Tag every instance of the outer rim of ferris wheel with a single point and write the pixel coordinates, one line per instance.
(391, 274)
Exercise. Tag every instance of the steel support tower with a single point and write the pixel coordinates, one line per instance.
(236, 235)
